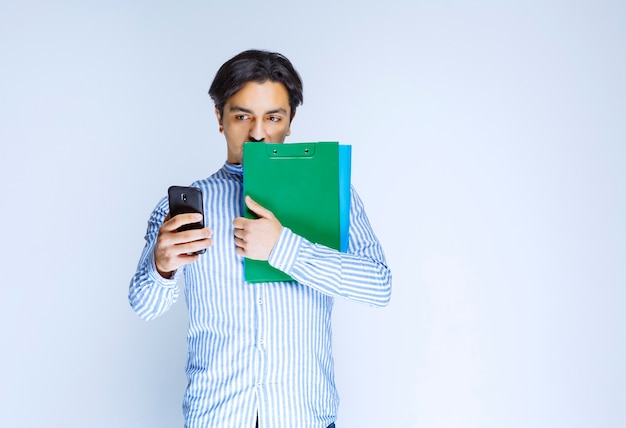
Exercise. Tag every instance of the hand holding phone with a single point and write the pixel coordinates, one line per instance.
(182, 236)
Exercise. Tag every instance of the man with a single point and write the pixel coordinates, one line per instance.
(258, 354)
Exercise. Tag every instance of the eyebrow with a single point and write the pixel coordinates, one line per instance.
(236, 108)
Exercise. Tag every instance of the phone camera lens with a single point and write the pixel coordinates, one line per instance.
(184, 197)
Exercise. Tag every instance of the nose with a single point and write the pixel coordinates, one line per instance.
(257, 132)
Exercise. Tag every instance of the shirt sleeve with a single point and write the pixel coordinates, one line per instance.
(361, 274)
(149, 294)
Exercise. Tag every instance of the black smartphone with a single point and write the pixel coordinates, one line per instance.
(184, 200)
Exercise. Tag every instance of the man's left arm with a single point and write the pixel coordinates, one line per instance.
(361, 274)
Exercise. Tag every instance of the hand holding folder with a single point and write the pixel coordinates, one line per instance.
(307, 188)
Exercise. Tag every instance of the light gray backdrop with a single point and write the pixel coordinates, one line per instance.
(489, 149)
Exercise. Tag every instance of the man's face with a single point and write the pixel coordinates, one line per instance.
(257, 112)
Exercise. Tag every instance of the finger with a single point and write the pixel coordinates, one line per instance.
(258, 209)
(181, 220)
(240, 222)
(191, 247)
(239, 243)
(170, 242)
(239, 233)
(191, 235)
(176, 255)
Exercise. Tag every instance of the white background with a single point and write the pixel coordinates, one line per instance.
(489, 150)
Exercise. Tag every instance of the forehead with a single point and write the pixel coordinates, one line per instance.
(260, 97)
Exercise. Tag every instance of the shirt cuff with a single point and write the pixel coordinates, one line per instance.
(285, 251)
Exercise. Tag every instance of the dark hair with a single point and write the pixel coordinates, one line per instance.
(255, 66)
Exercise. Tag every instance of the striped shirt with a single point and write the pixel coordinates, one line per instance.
(260, 349)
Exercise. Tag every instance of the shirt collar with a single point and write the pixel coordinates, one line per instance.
(233, 169)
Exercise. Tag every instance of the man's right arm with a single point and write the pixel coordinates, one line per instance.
(153, 288)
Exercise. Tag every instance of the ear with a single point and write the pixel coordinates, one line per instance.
(219, 119)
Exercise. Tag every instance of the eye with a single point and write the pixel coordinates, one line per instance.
(241, 116)
(274, 118)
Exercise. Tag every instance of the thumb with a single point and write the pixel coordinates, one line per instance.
(258, 209)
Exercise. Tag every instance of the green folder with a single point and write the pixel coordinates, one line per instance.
(306, 186)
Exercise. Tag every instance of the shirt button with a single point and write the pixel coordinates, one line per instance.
(260, 301)
(262, 341)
